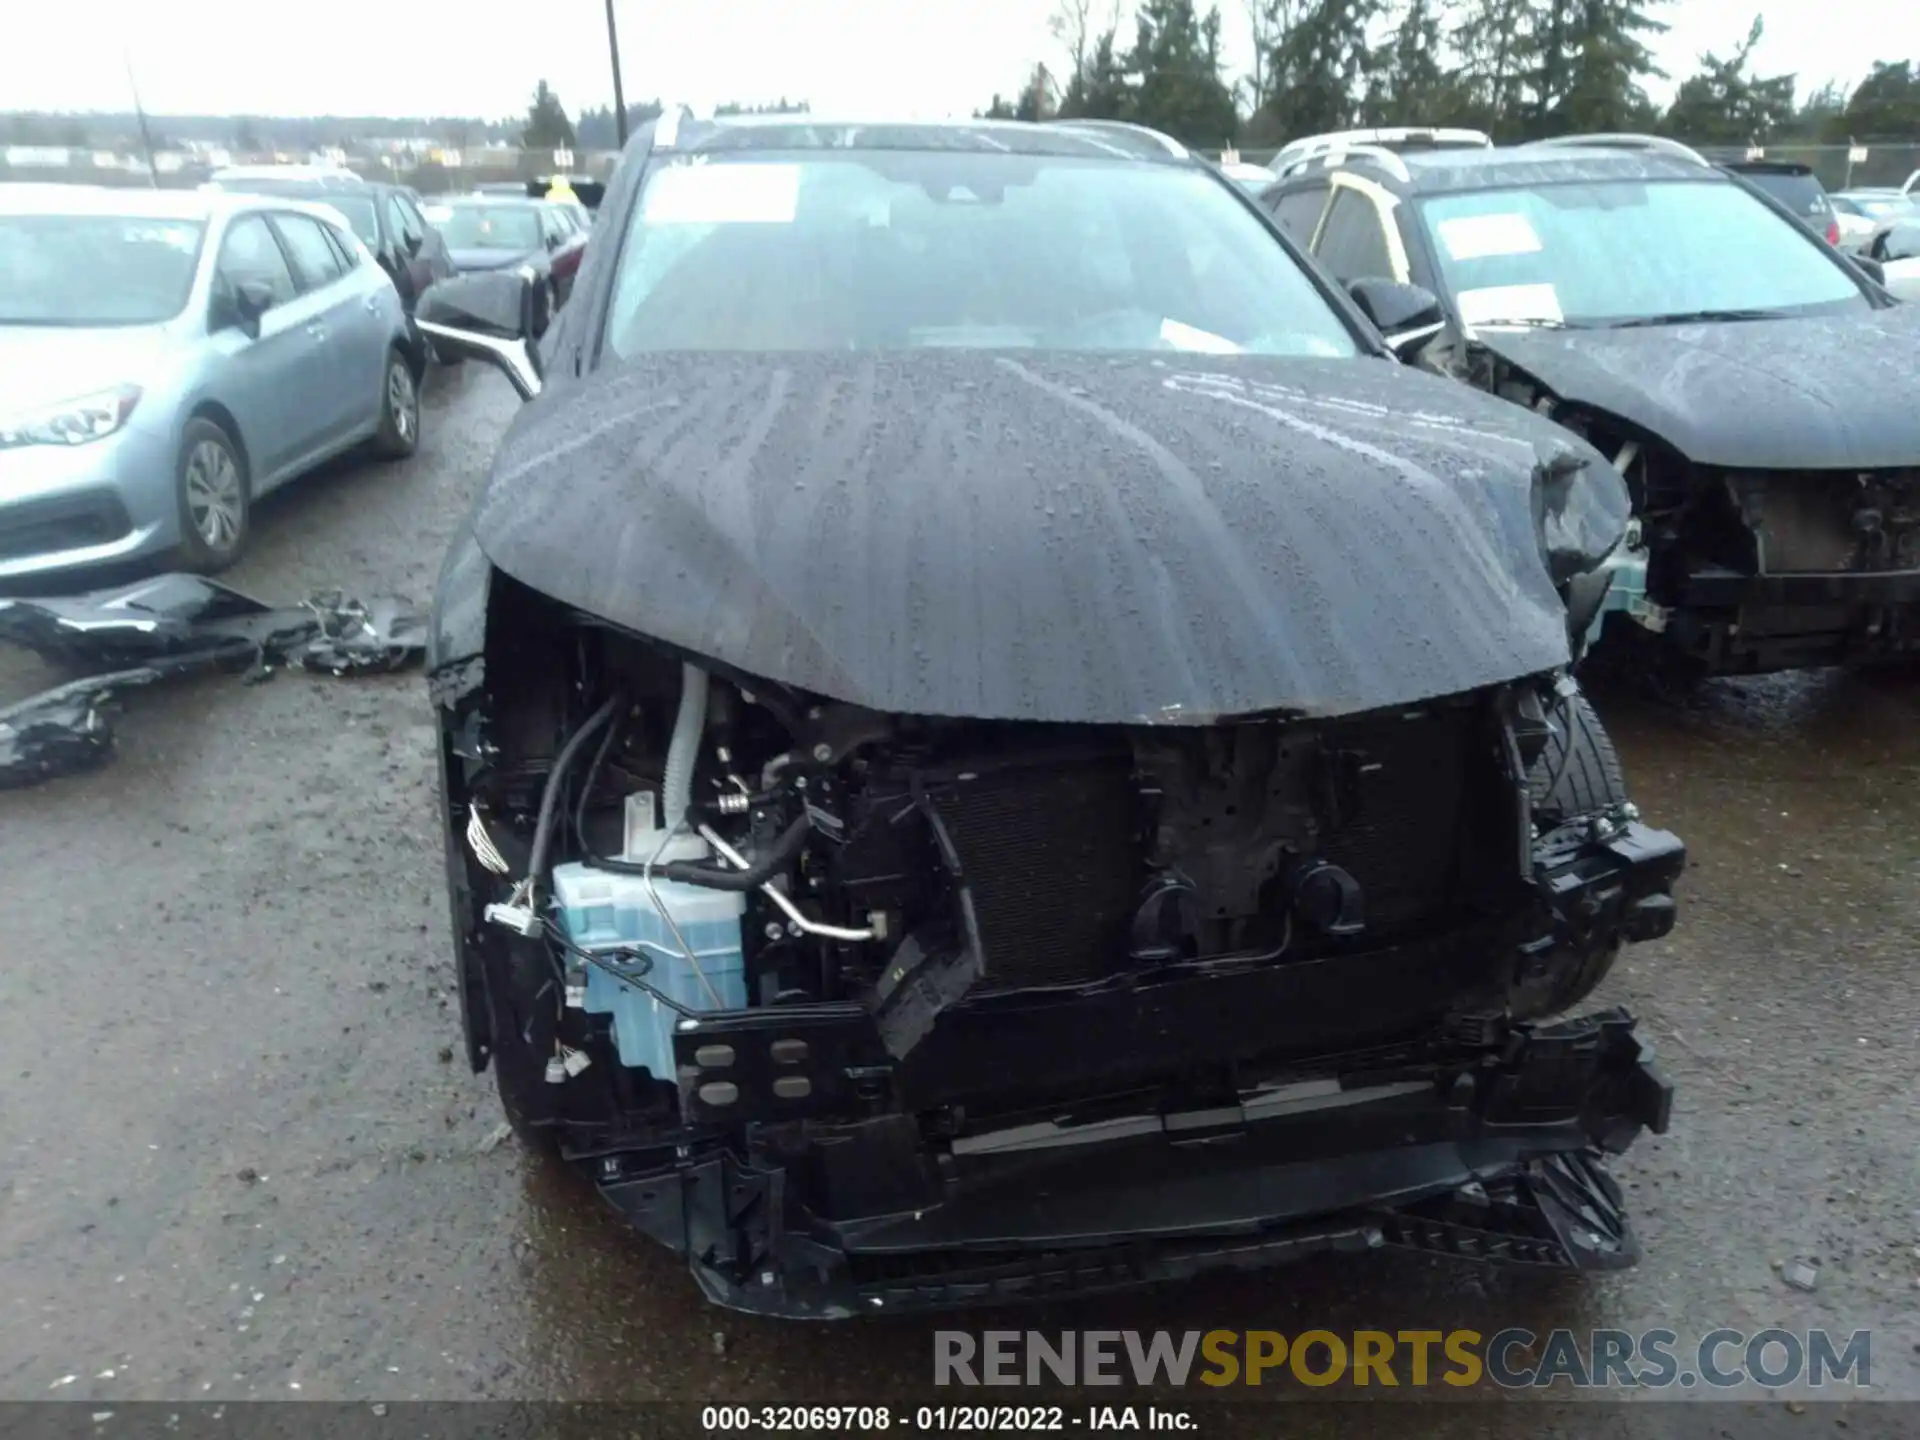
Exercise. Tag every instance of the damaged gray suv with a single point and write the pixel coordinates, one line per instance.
(994, 744)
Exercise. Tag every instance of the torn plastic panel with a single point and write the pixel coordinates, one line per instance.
(64, 730)
(355, 638)
(457, 639)
(181, 615)
(169, 627)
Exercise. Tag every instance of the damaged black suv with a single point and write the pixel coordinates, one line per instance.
(1755, 386)
(995, 744)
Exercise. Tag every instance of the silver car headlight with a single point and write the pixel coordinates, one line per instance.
(70, 422)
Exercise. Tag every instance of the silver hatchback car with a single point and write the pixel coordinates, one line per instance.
(168, 357)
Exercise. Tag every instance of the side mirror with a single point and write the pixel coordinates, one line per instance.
(243, 306)
(1405, 314)
(252, 298)
(413, 244)
(492, 316)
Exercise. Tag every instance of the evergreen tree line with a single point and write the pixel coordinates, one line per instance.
(1519, 69)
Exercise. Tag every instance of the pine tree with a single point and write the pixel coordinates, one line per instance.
(547, 127)
(1588, 58)
(1726, 104)
(1410, 85)
(1103, 91)
(1321, 71)
(1490, 39)
(1176, 64)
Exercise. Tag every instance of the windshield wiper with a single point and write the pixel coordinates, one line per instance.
(1692, 317)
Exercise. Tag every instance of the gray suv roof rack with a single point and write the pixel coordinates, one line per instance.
(1166, 144)
(1627, 141)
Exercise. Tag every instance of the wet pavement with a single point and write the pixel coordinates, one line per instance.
(242, 1160)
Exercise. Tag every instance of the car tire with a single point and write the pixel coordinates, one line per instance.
(214, 496)
(1579, 771)
(1577, 774)
(399, 432)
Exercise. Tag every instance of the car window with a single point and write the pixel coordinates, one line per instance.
(1800, 193)
(1353, 241)
(553, 225)
(250, 253)
(343, 248)
(408, 231)
(88, 270)
(358, 213)
(1553, 253)
(416, 222)
(314, 262)
(873, 249)
(492, 227)
(1299, 211)
(1880, 207)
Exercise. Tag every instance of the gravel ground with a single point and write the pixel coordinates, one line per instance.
(242, 1161)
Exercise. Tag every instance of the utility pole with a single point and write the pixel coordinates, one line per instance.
(140, 114)
(619, 94)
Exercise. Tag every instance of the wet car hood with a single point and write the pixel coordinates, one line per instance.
(1058, 537)
(1826, 392)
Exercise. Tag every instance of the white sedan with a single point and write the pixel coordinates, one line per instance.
(1896, 245)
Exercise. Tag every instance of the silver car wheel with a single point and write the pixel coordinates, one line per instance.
(402, 401)
(216, 503)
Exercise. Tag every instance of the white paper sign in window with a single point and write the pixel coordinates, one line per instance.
(1190, 337)
(1495, 303)
(1474, 237)
(723, 193)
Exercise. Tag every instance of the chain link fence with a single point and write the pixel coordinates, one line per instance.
(1840, 167)
(446, 173)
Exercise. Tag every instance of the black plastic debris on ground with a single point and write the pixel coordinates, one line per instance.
(168, 627)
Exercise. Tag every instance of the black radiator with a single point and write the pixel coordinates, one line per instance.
(1051, 850)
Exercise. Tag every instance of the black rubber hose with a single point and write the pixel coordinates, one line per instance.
(556, 780)
(594, 767)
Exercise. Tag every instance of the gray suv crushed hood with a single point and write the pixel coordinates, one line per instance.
(1058, 537)
(1834, 392)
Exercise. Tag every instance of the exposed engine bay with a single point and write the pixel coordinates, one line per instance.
(713, 927)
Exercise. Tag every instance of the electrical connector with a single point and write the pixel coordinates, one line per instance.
(576, 1061)
(576, 992)
(521, 919)
(556, 1071)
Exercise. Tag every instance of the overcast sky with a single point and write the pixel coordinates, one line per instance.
(455, 57)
